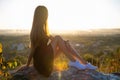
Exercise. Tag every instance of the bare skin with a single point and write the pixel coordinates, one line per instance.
(75, 53)
(59, 44)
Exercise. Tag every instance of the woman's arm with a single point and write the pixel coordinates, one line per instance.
(29, 58)
(28, 62)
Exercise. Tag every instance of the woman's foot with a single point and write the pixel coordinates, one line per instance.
(77, 65)
(90, 66)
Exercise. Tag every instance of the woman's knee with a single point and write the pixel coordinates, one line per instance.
(58, 38)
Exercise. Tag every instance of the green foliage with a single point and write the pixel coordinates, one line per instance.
(90, 58)
(5, 66)
(106, 63)
(21, 59)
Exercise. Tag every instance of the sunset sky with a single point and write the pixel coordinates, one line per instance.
(63, 14)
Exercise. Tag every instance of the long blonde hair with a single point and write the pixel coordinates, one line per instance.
(40, 25)
(42, 53)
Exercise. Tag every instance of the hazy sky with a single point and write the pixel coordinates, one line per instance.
(63, 14)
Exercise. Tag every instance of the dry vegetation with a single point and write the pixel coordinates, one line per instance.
(101, 50)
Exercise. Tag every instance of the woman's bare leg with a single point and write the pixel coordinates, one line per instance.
(75, 53)
(68, 50)
(59, 42)
(58, 52)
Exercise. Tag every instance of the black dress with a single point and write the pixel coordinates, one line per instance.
(43, 58)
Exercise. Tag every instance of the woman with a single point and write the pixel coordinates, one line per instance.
(44, 47)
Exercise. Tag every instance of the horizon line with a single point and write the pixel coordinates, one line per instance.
(66, 29)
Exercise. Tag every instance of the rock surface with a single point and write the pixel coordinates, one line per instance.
(70, 74)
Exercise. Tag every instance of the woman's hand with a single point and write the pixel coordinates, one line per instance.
(25, 67)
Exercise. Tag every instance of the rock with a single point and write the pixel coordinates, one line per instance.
(70, 74)
(117, 74)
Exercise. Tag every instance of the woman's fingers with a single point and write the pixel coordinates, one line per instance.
(23, 68)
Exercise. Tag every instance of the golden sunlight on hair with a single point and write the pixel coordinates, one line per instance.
(47, 29)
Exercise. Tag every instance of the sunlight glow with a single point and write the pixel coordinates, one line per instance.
(61, 65)
(63, 14)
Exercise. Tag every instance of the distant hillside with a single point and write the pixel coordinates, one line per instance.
(103, 31)
(11, 32)
(76, 32)
(93, 32)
